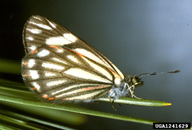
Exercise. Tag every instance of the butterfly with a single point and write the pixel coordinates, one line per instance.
(59, 66)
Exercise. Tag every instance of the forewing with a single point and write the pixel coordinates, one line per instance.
(58, 65)
(40, 31)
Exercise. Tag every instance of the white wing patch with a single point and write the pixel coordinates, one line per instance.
(72, 58)
(52, 66)
(99, 69)
(32, 48)
(36, 85)
(82, 97)
(41, 25)
(33, 74)
(70, 37)
(59, 60)
(34, 31)
(43, 53)
(82, 74)
(89, 55)
(55, 83)
(58, 41)
(31, 63)
(67, 88)
(36, 17)
(67, 38)
(52, 24)
(50, 74)
(30, 38)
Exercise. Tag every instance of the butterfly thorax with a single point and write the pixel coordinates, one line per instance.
(126, 88)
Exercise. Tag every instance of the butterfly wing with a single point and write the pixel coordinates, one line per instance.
(59, 65)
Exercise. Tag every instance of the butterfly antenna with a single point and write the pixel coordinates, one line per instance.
(156, 73)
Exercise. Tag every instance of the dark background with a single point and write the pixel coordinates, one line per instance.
(138, 36)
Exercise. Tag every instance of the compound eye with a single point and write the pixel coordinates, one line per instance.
(138, 83)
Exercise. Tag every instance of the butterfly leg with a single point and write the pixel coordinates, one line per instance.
(112, 102)
(131, 91)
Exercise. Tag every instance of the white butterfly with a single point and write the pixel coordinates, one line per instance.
(60, 66)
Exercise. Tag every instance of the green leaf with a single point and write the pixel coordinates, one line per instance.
(9, 66)
(74, 109)
(133, 101)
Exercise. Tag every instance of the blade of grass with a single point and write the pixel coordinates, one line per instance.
(9, 66)
(27, 119)
(74, 109)
(17, 122)
(12, 84)
(5, 127)
(46, 113)
(133, 101)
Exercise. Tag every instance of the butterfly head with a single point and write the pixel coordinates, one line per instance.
(133, 80)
